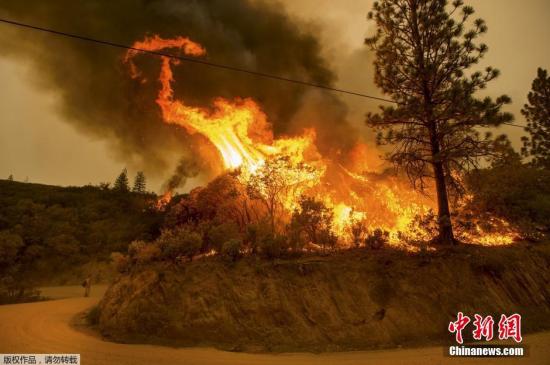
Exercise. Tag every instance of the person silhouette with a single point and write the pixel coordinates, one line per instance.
(87, 284)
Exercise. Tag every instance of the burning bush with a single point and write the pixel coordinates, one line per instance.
(265, 175)
(313, 221)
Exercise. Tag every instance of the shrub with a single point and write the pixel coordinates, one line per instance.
(516, 192)
(255, 234)
(377, 239)
(327, 239)
(314, 219)
(10, 244)
(231, 250)
(141, 252)
(178, 242)
(218, 235)
(148, 253)
(273, 246)
(92, 317)
(120, 262)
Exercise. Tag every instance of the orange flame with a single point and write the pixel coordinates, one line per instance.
(240, 132)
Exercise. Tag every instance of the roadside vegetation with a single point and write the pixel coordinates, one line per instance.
(51, 234)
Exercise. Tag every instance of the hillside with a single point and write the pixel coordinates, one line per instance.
(352, 300)
(48, 232)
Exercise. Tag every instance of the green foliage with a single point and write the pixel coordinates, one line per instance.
(10, 245)
(516, 192)
(64, 245)
(314, 219)
(141, 252)
(121, 182)
(273, 246)
(179, 242)
(255, 234)
(219, 234)
(231, 250)
(537, 113)
(46, 231)
(139, 183)
(424, 55)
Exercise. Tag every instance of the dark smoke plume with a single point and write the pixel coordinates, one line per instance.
(100, 98)
(185, 170)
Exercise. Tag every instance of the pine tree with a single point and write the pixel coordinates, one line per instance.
(10, 178)
(423, 56)
(139, 183)
(121, 182)
(537, 113)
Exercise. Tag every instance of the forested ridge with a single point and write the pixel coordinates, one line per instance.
(46, 230)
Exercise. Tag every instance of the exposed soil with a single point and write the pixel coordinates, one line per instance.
(348, 301)
(45, 327)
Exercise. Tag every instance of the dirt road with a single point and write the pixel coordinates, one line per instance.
(44, 328)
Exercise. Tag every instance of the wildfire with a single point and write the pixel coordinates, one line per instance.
(243, 137)
(164, 200)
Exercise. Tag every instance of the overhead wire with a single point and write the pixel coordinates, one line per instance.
(204, 62)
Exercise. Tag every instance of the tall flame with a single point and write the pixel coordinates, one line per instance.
(228, 126)
(240, 132)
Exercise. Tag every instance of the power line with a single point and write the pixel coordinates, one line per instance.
(194, 60)
(206, 63)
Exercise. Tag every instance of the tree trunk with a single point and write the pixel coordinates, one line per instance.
(272, 213)
(445, 226)
(446, 235)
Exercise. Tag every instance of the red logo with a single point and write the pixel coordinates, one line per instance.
(457, 327)
(508, 327)
(483, 327)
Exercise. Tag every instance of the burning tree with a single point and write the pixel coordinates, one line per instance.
(422, 55)
(315, 219)
(278, 181)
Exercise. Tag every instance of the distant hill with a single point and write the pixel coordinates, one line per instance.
(46, 230)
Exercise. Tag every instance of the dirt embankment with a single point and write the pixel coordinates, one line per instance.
(353, 300)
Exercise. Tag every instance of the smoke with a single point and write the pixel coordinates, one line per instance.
(99, 98)
(184, 170)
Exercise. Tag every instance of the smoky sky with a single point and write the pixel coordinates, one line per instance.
(99, 97)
